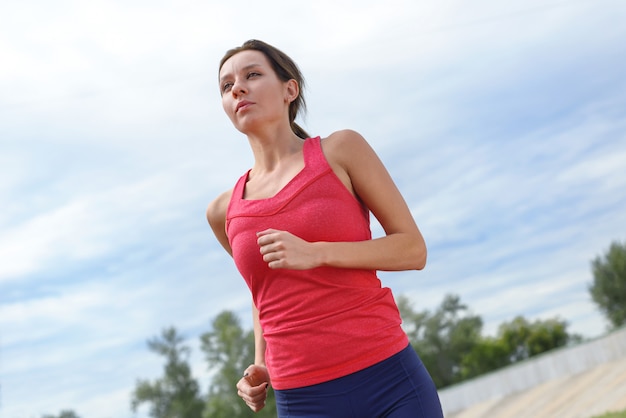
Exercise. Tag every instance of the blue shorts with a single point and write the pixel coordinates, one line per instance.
(398, 387)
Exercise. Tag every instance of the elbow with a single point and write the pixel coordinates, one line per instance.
(419, 255)
(411, 254)
(421, 259)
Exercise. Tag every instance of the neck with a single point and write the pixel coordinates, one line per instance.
(272, 147)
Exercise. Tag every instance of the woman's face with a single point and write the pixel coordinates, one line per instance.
(252, 93)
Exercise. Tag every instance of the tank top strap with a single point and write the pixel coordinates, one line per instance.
(313, 154)
(237, 194)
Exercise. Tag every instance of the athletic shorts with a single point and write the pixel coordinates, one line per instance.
(398, 387)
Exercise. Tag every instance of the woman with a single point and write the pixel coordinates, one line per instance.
(327, 335)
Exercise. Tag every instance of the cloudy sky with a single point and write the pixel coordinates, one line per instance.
(503, 124)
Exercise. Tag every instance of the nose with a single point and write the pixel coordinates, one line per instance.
(239, 88)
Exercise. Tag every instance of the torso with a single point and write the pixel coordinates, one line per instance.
(307, 314)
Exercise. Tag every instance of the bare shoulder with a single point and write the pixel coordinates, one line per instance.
(344, 138)
(216, 215)
(343, 146)
(216, 211)
(350, 157)
(348, 148)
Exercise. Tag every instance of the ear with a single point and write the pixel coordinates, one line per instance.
(292, 90)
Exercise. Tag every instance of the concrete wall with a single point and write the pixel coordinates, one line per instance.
(532, 372)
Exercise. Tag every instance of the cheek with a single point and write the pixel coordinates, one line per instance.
(227, 105)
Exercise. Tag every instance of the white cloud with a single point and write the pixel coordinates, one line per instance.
(83, 228)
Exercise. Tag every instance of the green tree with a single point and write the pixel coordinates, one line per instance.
(442, 338)
(176, 394)
(608, 289)
(229, 350)
(547, 335)
(66, 413)
(413, 322)
(451, 346)
(487, 355)
(516, 340)
(525, 339)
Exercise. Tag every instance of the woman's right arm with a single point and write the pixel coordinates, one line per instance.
(216, 215)
(259, 341)
(252, 387)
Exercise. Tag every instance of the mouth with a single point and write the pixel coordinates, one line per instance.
(242, 105)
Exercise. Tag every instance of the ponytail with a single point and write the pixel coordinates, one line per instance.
(299, 131)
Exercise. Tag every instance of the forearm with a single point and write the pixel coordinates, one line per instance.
(259, 341)
(393, 252)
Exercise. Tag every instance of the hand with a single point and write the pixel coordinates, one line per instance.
(281, 249)
(252, 387)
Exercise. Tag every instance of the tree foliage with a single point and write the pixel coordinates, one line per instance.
(176, 394)
(443, 337)
(229, 350)
(608, 289)
(66, 413)
(452, 347)
(516, 340)
(524, 339)
(489, 353)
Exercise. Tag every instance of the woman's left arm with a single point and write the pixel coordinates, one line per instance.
(363, 173)
(361, 170)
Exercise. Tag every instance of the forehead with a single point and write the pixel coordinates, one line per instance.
(243, 60)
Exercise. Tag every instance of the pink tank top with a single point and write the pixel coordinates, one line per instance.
(322, 323)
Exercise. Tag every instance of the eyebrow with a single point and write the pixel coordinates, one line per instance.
(247, 67)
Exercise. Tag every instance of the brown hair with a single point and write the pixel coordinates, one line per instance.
(285, 68)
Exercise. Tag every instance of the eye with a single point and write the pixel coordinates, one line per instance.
(253, 74)
(226, 86)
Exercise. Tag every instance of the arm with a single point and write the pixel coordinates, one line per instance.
(216, 215)
(359, 168)
(252, 387)
(259, 341)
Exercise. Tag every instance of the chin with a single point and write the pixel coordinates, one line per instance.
(246, 126)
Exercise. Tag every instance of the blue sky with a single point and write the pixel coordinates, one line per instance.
(503, 124)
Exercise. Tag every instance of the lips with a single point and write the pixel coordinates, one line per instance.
(242, 105)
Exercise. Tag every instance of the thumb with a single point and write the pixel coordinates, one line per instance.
(254, 376)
